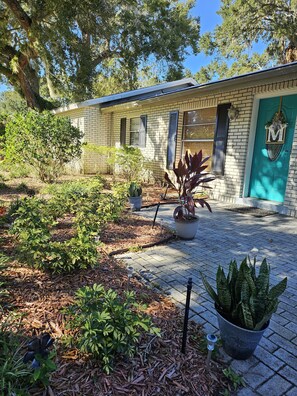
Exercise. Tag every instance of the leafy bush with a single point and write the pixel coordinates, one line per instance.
(107, 326)
(126, 161)
(66, 195)
(43, 141)
(32, 227)
(244, 298)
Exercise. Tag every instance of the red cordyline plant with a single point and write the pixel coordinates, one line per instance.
(189, 176)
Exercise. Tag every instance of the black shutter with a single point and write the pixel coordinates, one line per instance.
(123, 131)
(172, 134)
(220, 139)
(142, 131)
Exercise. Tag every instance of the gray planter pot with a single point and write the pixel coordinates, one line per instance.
(237, 342)
(135, 203)
(186, 229)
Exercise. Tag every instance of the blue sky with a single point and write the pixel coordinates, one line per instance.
(206, 9)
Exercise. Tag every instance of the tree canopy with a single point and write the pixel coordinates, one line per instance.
(244, 23)
(53, 49)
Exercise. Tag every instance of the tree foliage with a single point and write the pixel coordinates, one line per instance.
(245, 23)
(43, 141)
(67, 43)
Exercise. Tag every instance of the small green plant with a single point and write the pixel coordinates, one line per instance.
(235, 379)
(106, 325)
(243, 297)
(135, 190)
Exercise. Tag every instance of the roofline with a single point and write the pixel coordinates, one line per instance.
(126, 94)
(247, 78)
(231, 81)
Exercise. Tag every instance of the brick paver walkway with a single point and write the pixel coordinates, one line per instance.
(222, 236)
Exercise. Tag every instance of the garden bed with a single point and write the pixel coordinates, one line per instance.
(37, 300)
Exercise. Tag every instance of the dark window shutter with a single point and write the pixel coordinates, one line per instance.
(220, 139)
(172, 134)
(142, 131)
(123, 131)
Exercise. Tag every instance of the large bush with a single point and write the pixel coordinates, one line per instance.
(43, 141)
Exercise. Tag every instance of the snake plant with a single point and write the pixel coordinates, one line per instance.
(243, 297)
(135, 190)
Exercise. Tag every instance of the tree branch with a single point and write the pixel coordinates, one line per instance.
(17, 10)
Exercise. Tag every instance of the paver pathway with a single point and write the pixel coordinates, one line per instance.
(222, 236)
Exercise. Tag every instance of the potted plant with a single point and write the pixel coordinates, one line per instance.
(135, 197)
(244, 304)
(189, 175)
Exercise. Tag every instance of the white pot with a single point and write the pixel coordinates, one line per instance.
(186, 229)
(135, 203)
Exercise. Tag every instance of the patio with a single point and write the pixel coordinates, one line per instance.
(224, 235)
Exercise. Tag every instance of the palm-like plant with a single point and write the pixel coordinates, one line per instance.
(189, 174)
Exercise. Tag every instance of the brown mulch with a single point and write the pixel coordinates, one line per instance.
(159, 368)
(133, 232)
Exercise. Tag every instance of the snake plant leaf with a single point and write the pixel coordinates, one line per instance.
(239, 280)
(210, 290)
(223, 291)
(278, 289)
(247, 315)
(262, 322)
(245, 292)
(262, 282)
(250, 281)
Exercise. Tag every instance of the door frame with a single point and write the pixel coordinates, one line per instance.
(253, 130)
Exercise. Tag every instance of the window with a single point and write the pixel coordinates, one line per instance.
(198, 130)
(138, 131)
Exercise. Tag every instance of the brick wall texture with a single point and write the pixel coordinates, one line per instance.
(102, 127)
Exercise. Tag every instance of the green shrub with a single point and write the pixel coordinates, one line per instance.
(107, 326)
(126, 161)
(42, 141)
(32, 227)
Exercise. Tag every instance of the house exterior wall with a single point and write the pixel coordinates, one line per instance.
(229, 187)
(96, 128)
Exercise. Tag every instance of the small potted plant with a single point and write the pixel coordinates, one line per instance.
(189, 175)
(244, 304)
(135, 196)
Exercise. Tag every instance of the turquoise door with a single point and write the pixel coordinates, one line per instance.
(269, 177)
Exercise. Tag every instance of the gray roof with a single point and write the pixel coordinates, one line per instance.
(141, 93)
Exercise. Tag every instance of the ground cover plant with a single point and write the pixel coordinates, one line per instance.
(144, 363)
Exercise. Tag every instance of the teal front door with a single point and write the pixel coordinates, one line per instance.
(269, 175)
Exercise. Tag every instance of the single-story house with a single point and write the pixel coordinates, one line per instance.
(246, 123)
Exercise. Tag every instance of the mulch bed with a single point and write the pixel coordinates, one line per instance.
(159, 368)
(133, 232)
